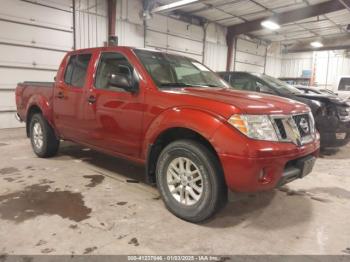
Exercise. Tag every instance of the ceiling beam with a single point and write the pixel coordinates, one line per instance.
(173, 6)
(335, 43)
(288, 17)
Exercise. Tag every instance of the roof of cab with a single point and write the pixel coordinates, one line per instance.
(104, 48)
(110, 48)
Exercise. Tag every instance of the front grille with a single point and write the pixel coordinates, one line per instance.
(280, 127)
(298, 129)
(303, 124)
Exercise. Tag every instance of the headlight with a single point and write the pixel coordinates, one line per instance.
(254, 126)
(344, 113)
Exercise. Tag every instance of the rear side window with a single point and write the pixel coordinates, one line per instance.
(76, 70)
(344, 84)
(243, 83)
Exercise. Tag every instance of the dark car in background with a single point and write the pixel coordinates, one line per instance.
(315, 91)
(332, 114)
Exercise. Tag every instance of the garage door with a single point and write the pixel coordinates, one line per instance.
(34, 36)
(250, 56)
(174, 36)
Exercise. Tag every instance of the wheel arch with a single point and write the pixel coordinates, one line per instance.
(38, 104)
(165, 138)
(175, 124)
(33, 109)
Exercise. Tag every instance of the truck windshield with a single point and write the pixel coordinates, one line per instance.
(169, 70)
(278, 84)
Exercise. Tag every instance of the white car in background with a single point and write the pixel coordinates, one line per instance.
(343, 87)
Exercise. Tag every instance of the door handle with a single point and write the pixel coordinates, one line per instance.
(60, 95)
(91, 99)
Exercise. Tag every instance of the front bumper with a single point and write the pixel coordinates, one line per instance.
(334, 133)
(298, 168)
(331, 140)
(252, 165)
(260, 174)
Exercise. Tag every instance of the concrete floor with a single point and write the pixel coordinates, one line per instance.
(84, 202)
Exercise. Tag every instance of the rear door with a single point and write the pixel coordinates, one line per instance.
(69, 97)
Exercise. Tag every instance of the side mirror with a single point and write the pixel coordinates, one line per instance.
(121, 81)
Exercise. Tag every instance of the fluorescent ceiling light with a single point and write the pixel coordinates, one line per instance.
(316, 44)
(173, 6)
(270, 25)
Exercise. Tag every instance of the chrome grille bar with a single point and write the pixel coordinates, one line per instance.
(288, 131)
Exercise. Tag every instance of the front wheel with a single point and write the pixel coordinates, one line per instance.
(190, 180)
(42, 136)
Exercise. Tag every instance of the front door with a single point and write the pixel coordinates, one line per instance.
(69, 98)
(114, 115)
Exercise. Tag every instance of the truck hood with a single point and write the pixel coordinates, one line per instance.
(246, 102)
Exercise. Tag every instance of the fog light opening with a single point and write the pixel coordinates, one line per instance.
(264, 177)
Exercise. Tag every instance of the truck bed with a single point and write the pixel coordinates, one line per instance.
(41, 84)
(30, 92)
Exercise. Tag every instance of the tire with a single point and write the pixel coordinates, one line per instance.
(49, 142)
(200, 201)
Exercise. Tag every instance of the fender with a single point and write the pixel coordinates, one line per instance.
(44, 105)
(203, 122)
(315, 106)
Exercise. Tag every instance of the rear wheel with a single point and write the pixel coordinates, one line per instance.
(190, 180)
(42, 136)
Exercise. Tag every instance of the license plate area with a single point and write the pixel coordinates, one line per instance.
(306, 165)
(340, 136)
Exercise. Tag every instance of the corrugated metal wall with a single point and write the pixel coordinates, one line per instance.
(327, 65)
(294, 64)
(273, 60)
(330, 65)
(91, 23)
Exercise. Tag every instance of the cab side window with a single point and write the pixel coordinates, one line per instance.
(76, 70)
(242, 83)
(261, 87)
(112, 64)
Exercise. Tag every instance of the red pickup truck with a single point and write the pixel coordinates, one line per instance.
(196, 135)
